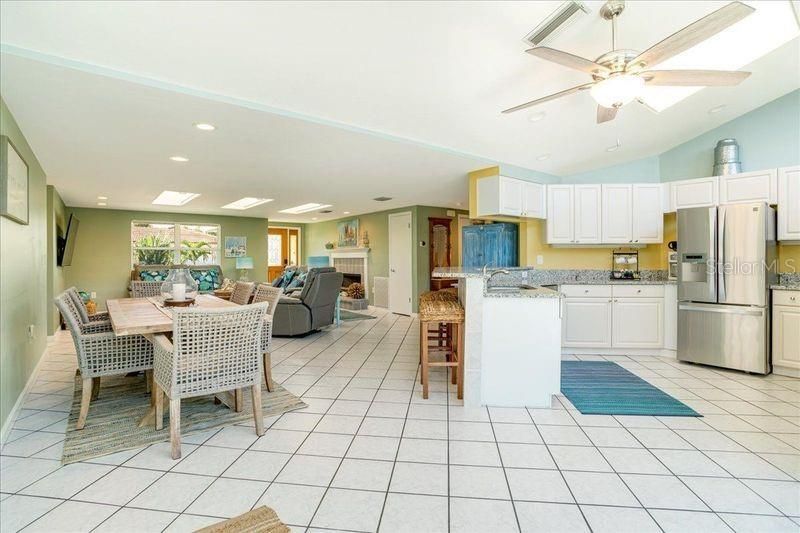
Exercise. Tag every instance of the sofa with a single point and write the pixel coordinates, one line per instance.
(314, 307)
(208, 277)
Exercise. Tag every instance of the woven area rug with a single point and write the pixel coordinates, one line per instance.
(112, 424)
(259, 520)
(346, 314)
(605, 388)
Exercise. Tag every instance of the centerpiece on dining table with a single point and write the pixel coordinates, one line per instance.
(179, 289)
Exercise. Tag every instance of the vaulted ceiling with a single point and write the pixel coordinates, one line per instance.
(330, 102)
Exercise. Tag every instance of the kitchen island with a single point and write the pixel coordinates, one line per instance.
(512, 341)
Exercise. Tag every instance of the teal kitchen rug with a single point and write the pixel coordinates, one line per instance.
(605, 388)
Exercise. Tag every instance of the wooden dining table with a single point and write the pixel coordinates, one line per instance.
(149, 317)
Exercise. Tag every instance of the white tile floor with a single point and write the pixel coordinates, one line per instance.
(369, 454)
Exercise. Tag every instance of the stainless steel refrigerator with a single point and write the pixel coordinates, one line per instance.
(727, 263)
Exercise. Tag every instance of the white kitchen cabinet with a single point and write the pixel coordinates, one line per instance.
(586, 323)
(499, 195)
(746, 187)
(617, 207)
(671, 316)
(785, 333)
(700, 192)
(647, 220)
(588, 214)
(533, 200)
(560, 219)
(638, 323)
(789, 204)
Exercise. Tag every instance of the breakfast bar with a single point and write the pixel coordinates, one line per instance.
(512, 340)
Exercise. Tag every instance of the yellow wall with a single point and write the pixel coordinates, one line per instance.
(789, 258)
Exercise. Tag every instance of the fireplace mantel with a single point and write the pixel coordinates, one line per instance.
(352, 261)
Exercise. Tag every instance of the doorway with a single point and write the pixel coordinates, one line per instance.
(440, 242)
(283, 249)
(400, 269)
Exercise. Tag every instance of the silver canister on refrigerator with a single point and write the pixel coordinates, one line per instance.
(726, 158)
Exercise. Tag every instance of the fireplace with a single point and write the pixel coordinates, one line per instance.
(354, 264)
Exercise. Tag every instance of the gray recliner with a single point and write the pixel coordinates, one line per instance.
(313, 308)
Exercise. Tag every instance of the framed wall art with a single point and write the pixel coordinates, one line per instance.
(13, 182)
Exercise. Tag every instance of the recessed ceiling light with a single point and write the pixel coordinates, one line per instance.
(313, 218)
(101, 198)
(543, 157)
(716, 109)
(305, 208)
(346, 212)
(175, 198)
(246, 203)
(102, 204)
(536, 117)
(204, 126)
(179, 159)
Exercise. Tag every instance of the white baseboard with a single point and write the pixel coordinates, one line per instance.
(12, 415)
(786, 371)
(657, 352)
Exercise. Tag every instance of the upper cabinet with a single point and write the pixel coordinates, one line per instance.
(789, 204)
(632, 213)
(700, 192)
(574, 215)
(618, 213)
(746, 187)
(503, 196)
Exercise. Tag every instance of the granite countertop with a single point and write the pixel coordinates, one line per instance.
(787, 287)
(457, 272)
(617, 282)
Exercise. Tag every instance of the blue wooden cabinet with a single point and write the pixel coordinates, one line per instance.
(494, 244)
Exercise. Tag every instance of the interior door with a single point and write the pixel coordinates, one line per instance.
(277, 252)
(400, 272)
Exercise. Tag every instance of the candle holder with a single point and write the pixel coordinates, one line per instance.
(179, 287)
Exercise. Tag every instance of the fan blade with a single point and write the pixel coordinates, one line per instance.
(694, 78)
(569, 60)
(605, 114)
(693, 34)
(548, 98)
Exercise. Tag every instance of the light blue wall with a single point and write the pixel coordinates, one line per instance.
(768, 137)
(639, 171)
(527, 174)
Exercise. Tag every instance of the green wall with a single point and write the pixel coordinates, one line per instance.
(768, 137)
(101, 260)
(23, 278)
(377, 225)
(56, 226)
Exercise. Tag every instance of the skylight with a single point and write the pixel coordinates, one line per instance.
(305, 208)
(175, 198)
(771, 25)
(246, 203)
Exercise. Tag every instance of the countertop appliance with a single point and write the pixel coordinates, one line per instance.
(625, 265)
(727, 262)
(672, 264)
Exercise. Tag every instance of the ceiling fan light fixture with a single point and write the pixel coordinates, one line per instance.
(618, 90)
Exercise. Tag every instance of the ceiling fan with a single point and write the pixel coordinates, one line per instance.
(620, 75)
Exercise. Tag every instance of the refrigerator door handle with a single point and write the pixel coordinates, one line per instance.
(725, 310)
(721, 257)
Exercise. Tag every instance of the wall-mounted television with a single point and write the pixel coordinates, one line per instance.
(66, 244)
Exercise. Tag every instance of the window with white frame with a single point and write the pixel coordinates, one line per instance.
(163, 243)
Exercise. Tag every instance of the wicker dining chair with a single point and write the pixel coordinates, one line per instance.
(80, 307)
(272, 295)
(242, 291)
(144, 289)
(101, 353)
(212, 351)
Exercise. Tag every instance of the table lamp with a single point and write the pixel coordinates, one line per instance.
(243, 264)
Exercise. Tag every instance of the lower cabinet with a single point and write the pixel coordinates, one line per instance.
(786, 333)
(606, 316)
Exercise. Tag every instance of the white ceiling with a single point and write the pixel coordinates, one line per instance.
(379, 98)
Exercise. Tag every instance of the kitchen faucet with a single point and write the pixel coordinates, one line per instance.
(494, 273)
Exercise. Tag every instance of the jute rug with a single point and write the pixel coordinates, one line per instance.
(259, 520)
(112, 424)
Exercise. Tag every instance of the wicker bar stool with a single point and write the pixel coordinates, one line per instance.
(448, 312)
(443, 334)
